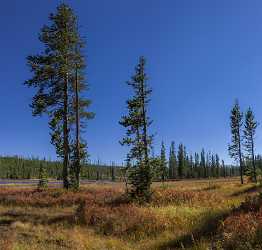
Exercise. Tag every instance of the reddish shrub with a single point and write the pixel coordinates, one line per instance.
(56, 197)
(120, 220)
(251, 204)
(243, 229)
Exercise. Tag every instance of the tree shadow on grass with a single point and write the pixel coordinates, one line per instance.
(207, 230)
(249, 190)
(5, 222)
(37, 218)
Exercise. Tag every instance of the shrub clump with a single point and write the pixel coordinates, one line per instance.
(171, 196)
(243, 229)
(56, 197)
(121, 221)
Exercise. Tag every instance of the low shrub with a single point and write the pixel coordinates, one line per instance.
(211, 187)
(121, 221)
(251, 204)
(56, 197)
(172, 196)
(243, 229)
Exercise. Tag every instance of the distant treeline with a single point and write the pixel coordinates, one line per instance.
(183, 165)
(179, 166)
(14, 167)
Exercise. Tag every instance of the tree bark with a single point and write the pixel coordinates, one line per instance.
(144, 122)
(77, 162)
(240, 157)
(253, 160)
(65, 136)
(147, 167)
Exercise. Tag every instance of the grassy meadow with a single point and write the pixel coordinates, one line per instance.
(215, 214)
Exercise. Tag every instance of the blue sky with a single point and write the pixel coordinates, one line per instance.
(201, 56)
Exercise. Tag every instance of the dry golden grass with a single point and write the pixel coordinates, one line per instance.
(183, 214)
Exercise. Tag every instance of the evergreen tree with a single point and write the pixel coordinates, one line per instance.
(181, 161)
(59, 79)
(137, 123)
(113, 174)
(191, 167)
(217, 166)
(235, 150)
(223, 169)
(197, 166)
(172, 162)
(79, 114)
(186, 163)
(43, 181)
(249, 135)
(208, 164)
(203, 164)
(213, 166)
(163, 163)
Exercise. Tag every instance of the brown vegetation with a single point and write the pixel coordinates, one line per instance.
(243, 229)
(184, 214)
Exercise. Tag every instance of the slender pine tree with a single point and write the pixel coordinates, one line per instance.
(213, 166)
(249, 136)
(224, 170)
(197, 166)
(191, 167)
(235, 149)
(172, 165)
(137, 123)
(203, 164)
(163, 163)
(217, 165)
(181, 161)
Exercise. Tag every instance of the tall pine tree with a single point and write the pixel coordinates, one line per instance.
(172, 168)
(137, 123)
(224, 170)
(203, 164)
(249, 136)
(213, 166)
(181, 161)
(59, 79)
(235, 150)
(197, 166)
(163, 163)
(217, 165)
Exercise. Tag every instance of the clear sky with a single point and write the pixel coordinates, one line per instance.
(201, 56)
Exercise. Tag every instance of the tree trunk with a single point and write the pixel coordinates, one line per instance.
(144, 123)
(77, 162)
(253, 160)
(145, 143)
(65, 136)
(240, 157)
